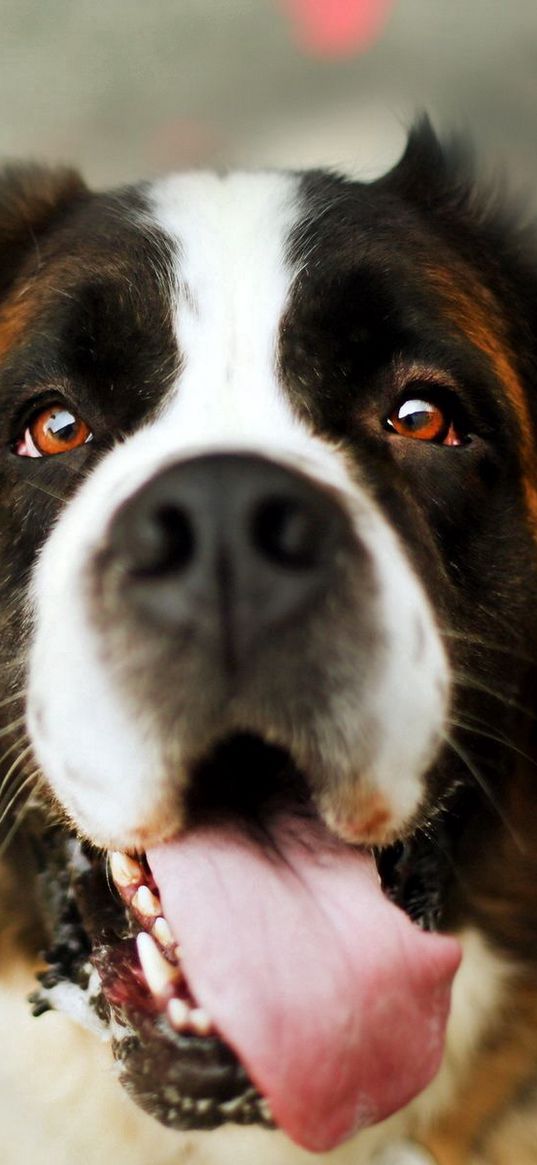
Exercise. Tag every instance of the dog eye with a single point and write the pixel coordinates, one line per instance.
(54, 429)
(425, 420)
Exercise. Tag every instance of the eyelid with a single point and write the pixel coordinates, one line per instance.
(430, 384)
(405, 373)
(50, 395)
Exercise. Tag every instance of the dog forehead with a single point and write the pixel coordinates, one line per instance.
(232, 274)
(232, 220)
(230, 238)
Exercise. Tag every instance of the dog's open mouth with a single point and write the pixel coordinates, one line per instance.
(249, 974)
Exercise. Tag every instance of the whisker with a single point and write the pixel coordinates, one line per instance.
(6, 808)
(11, 699)
(20, 759)
(478, 730)
(474, 683)
(12, 725)
(488, 644)
(21, 813)
(17, 744)
(17, 661)
(46, 490)
(445, 853)
(486, 790)
(427, 830)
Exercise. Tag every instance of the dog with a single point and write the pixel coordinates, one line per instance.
(269, 582)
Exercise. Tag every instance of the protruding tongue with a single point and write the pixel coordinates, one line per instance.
(333, 1000)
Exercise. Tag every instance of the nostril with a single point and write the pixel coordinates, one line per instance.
(165, 542)
(285, 532)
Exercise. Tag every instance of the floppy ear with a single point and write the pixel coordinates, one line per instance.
(32, 197)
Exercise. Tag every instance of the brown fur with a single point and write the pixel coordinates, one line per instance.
(497, 1078)
(475, 313)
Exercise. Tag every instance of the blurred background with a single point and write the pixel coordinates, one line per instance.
(129, 88)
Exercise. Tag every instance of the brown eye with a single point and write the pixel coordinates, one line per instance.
(54, 429)
(424, 420)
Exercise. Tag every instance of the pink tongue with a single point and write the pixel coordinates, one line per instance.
(332, 999)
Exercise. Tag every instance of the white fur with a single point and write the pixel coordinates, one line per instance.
(231, 288)
(403, 1153)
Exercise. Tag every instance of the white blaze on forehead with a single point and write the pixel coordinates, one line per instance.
(233, 279)
(232, 240)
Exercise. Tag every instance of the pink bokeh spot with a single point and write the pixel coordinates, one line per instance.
(337, 27)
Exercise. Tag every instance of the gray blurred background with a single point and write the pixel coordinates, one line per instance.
(127, 88)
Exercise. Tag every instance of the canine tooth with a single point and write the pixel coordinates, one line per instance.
(200, 1021)
(162, 933)
(146, 902)
(178, 1013)
(160, 975)
(125, 871)
(264, 1109)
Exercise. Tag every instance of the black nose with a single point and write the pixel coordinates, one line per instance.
(228, 544)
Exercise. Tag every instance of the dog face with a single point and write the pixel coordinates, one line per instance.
(282, 554)
(269, 494)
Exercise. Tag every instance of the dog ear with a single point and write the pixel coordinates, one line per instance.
(442, 178)
(32, 198)
(481, 219)
(434, 174)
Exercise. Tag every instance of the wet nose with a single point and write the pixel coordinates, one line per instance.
(235, 543)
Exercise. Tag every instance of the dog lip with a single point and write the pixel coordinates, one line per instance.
(221, 786)
(171, 1060)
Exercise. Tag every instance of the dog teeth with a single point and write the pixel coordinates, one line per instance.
(125, 870)
(264, 1109)
(178, 1014)
(146, 903)
(160, 976)
(200, 1021)
(185, 1018)
(163, 934)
